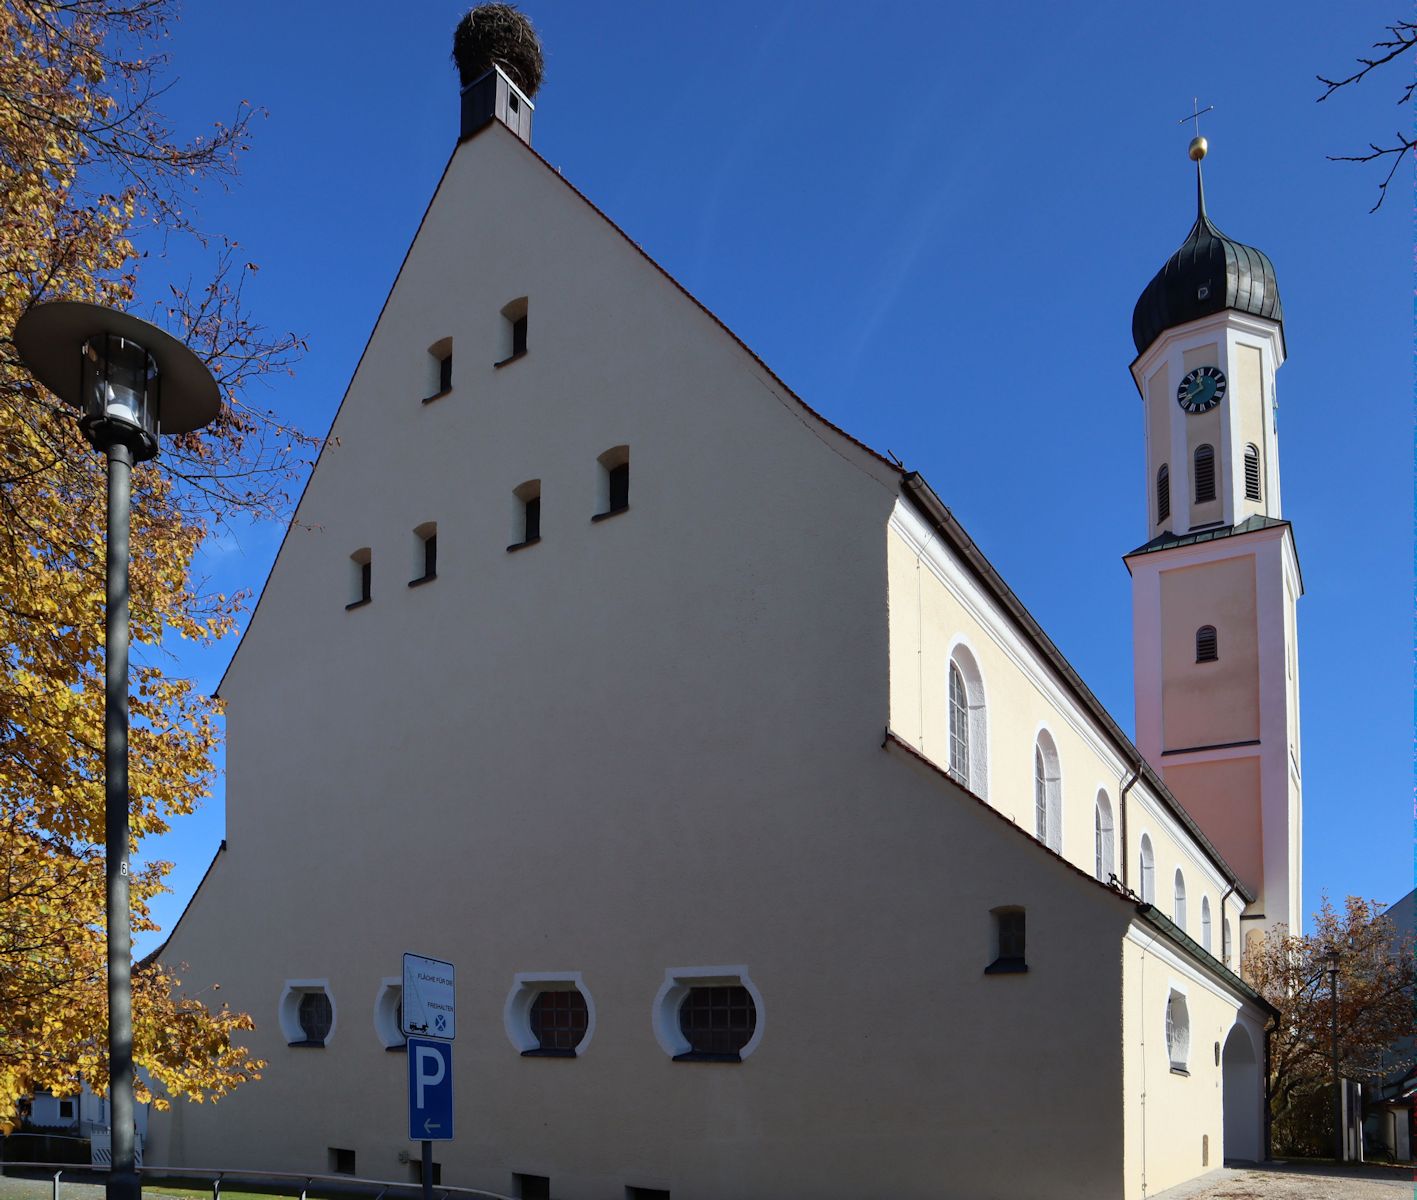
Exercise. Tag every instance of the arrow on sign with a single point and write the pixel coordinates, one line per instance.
(430, 1125)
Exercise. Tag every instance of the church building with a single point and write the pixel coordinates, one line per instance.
(779, 850)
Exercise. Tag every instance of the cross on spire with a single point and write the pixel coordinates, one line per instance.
(1196, 114)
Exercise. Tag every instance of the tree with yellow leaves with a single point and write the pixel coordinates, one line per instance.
(90, 171)
(1375, 976)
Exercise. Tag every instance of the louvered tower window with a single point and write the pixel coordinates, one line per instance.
(1163, 493)
(1252, 472)
(1205, 474)
(1207, 645)
(959, 727)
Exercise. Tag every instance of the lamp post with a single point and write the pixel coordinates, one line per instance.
(130, 382)
(1331, 957)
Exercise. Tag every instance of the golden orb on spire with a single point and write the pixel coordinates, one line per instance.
(1198, 148)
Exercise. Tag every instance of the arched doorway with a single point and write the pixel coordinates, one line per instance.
(1243, 1098)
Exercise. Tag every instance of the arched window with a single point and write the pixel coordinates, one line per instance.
(1148, 871)
(1047, 793)
(1180, 905)
(1205, 474)
(1224, 940)
(1163, 493)
(969, 749)
(1205, 924)
(1104, 862)
(1207, 644)
(1252, 472)
(959, 726)
(1178, 1030)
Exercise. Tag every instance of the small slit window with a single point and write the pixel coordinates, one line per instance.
(1163, 493)
(1205, 474)
(425, 553)
(1207, 644)
(1205, 924)
(526, 514)
(440, 370)
(1252, 472)
(1009, 928)
(1148, 871)
(1179, 907)
(614, 489)
(361, 577)
(514, 328)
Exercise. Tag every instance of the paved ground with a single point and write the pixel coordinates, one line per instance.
(1294, 1181)
(1275, 1181)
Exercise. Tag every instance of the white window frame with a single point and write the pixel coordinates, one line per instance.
(1104, 837)
(386, 1013)
(1178, 1032)
(526, 986)
(1045, 748)
(1205, 924)
(963, 657)
(1178, 899)
(288, 1010)
(1147, 872)
(678, 982)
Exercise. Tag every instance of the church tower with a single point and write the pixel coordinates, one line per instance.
(1214, 589)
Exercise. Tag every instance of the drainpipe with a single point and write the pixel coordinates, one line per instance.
(1224, 925)
(1122, 814)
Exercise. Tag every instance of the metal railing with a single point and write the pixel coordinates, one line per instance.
(277, 1183)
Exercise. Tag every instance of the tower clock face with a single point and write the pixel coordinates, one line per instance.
(1201, 390)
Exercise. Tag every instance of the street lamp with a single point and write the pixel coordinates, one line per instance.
(1331, 958)
(130, 382)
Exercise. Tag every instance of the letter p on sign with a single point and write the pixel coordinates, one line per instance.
(427, 1072)
(430, 1090)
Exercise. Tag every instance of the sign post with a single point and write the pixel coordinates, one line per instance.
(429, 1022)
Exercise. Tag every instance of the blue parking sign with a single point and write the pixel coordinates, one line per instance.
(430, 1090)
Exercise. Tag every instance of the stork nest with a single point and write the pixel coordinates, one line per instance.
(501, 34)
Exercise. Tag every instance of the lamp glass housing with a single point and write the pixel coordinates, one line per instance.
(122, 389)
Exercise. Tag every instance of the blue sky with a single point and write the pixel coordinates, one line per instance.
(933, 222)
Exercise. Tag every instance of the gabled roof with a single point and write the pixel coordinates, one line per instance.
(934, 510)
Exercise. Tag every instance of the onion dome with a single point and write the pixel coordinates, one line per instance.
(1208, 274)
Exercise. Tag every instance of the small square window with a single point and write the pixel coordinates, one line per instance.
(532, 1187)
(341, 1161)
(559, 1020)
(1009, 942)
(440, 370)
(66, 1110)
(415, 1169)
(513, 104)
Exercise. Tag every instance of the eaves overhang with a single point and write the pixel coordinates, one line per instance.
(933, 509)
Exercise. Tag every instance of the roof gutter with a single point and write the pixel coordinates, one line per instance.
(933, 509)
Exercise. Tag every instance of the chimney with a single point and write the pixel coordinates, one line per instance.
(498, 57)
(493, 94)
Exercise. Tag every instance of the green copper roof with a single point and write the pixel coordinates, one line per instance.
(1165, 541)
